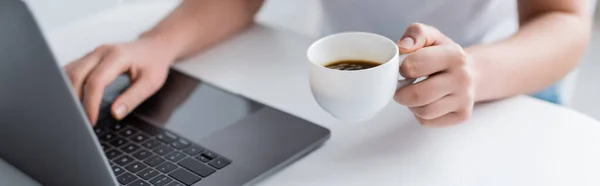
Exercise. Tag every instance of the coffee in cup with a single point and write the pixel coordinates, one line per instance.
(352, 65)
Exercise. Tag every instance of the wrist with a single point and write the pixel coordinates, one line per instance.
(168, 47)
(478, 75)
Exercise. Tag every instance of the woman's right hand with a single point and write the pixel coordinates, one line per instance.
(145, 61)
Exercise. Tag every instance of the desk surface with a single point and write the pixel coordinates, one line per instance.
(517, 141)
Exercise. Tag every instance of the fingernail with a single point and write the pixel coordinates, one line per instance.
(121, 111)
(406, 43)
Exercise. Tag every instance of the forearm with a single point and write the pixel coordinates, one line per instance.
(545, 49)
(197, 24)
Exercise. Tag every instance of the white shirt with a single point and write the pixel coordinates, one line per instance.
(467, 22)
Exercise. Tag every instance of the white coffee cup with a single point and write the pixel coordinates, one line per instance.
(355, 95)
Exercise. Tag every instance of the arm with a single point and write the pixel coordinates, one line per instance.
(197, 24)
(552, 37)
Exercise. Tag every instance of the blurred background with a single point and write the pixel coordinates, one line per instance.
(304, 17)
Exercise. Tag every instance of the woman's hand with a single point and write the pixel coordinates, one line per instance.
(447, 95)
(146, 62)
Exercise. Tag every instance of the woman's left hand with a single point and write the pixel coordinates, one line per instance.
(447, 96)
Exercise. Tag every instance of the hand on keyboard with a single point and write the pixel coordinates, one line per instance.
(145, 61)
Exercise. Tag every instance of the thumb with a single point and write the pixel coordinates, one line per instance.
(418, 36)
(139, 91)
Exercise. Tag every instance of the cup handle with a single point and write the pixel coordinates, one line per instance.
(403, 81)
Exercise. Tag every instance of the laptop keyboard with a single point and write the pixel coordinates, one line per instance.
(144, 155)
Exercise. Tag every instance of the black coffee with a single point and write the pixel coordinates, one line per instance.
(352, 65)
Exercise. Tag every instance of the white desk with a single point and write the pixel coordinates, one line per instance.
(518, 141)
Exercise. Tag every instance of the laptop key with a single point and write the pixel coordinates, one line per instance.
(180, 143)
(118, 142)
(148, 173)
(185, 176)
(152, 144)
(202, 159)
(117, 170)
(219, 163)
(117, 126)
(166, 137)
(209, 154)
(161, 180)
(175, 156)
(126, 178)
(163, 150)
(104, 146)
(174, 183)
(154, 160)
(139, 138)
(166, 167)
(197, 167)
(99, 130)
(136, 167)
(113, 154)
(123, 160)
(142, 154)
(108, 136)
(127, 132)
(139, 183)
(192, 150)
(130, 148)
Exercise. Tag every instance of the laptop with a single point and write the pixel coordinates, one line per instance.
(188, 133)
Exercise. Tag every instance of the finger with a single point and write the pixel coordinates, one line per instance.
(431, 60)
(79, 70)
(419, 35)
(447, 104)
(452, 118)
(425, 92)
(141, 89)
(104, 74)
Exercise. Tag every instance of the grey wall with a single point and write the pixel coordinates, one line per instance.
(53, 13)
